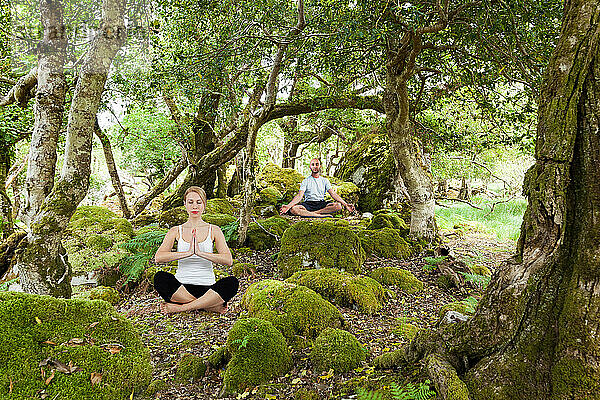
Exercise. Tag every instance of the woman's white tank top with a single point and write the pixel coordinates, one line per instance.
(195, 270)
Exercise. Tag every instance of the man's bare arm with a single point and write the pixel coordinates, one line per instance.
(297, 198)
(338, 198)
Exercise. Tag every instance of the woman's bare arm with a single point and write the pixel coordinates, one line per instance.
(164, 253)
(223, 254)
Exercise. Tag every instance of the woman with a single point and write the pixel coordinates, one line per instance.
(193, 286)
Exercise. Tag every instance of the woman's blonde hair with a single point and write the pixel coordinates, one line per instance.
(195, 189)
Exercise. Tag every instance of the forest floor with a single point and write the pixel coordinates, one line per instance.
(201, 333)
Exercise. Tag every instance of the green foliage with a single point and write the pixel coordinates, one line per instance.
(338, 350)
(5, 285)
(230, 231)
(143, 247)
(481, 281)
(432, 262)
(410, 391)
(190, 368)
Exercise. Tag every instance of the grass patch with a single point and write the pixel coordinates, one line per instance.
(505, 221)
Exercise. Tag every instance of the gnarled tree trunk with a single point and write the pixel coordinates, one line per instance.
(536, 331)
(42, 265)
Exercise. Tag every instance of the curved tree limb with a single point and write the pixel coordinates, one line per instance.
(21, 92)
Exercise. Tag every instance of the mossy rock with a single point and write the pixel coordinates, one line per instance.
(296, 311)
(242, 251)
(388, 219)
(107, 294)
(305, 394)
(347, 190)
(390, 359)
(360, 292)
(391, 276)
(265, 211)
(149, 228)
(406, 330)
(445, 281)
(269, 196)
(243, 269)
(27, 321)
(156, 386)
(320, 244)
(99, 242)
(338, 350)
(258, 353)
(219, 206)
(466, 307)
(257, 237)
(144, 219)
(219, 358)
(370, 166)
(173, 217)
(92, 239)
(386, 243)
(480, 270)
(285, 180)
(190, 368)
(218, 219)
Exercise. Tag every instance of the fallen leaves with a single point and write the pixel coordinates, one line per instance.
(59, 366)
(49, 379)
(95, 378)
(10, 385)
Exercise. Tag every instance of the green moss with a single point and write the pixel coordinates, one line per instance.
(465, 307)
(455, 387)
(388, 219)
(144, 219)
(243, 269)
(219, 206)
(305, 394)
(258, 352)
(151, 271)
(370, 166)
(257, 236)
(320, 244)
(406, 330)
(27, 321)
(190, 368)
(296, 311)
(98, 242)
(218, 219)
(107, 294)
(397, 277)
(285, 180)
(148, 228)
(389, 360)
(95, 213)
(480, 270)
(156, 386)
(173, 217)
(359, 292)
(444, 281)
(269, 196)
(347, 190)
(243, 251)
(338, 350)
(218, 358)
(120, 225)
(386, 243)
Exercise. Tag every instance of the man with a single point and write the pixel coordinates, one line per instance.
(313, 189)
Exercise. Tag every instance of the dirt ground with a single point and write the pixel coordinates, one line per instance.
(201, 333)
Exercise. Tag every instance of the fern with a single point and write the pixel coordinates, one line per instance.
(143, 247)
(4, 286)
(432, 262)
(481, 281)
(408, 392)
(230, 231)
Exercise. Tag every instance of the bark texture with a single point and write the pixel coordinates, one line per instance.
(535, 333)
(42, 264)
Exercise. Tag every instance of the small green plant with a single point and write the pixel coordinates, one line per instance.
(471, 303)
(421, 391)
(432, 262)
(481, 281)
(4, 286)
(143, 247)
(230, 231)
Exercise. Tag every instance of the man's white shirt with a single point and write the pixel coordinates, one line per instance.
(315, 188)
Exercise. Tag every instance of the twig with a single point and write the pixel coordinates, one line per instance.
(460, 200)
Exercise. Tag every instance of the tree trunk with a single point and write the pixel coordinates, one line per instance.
(112, 169)
(43, 265)
(408, 157)
(222, 179)
(535, 332)
(48, 109)
(6, 209)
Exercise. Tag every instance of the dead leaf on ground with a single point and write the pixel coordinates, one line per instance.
(75, 342)
(39, 321)
(49, 342)
(10, 385)
(93, 324)
(95, 377)
(49, 379)
(59, 366)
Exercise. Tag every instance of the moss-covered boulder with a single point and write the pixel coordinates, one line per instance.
(92, 239)
(296, 311)
(386, 243)
(144, 219)
(156, 386)
(258, 354)
(269, 196)
(348, 190)
(107, 294)
(320, 244)
(266, 233)
(286, 180)
(478, 269)
(466, 307)
(360, 292)
(218, 219)
(219, 206)
(265, 211)
(391, 276)
(219, 358)
(189, 368)
(370, 166)
(338, 350)
(85, 336)
(386, 218)
(173, 217)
